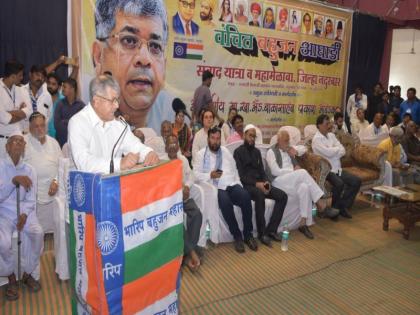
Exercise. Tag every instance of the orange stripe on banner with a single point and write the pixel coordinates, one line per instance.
(135, 188)
(195, 46)
(95, 299)
(153, 287)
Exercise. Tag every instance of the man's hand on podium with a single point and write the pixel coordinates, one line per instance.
(129, 161)
(151, 159)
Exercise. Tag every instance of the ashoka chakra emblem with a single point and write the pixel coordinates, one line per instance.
(107, 237)
(79, 191)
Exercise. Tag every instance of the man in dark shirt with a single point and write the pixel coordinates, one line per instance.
(65, 110)
(396, 101)
(254, 179)
(411, 143)
(374, 101)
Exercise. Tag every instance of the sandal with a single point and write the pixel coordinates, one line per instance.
(12, 292)
(31, 283)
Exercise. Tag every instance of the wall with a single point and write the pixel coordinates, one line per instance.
(405, 66)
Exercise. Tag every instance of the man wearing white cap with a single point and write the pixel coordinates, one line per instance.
(16, 172)
(255, 181)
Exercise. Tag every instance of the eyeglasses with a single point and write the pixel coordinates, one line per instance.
(187, 4)
(115, 101)
(129, 43)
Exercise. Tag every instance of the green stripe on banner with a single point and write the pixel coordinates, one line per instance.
(73, 263)
(154, 254)
(195, 57)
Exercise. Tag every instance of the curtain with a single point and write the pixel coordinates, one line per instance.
(367, 46)
(33, 32)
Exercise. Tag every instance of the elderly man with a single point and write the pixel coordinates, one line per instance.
(296, 182)
(253, 177)
(214, 164)
(394, 154)
(360, 123)
(131, 38)
(94, 131)
(345, 186)
(375, 132)
(411, 146)
(13, 109)
(42, 153)
(15, 172)
(193, 214)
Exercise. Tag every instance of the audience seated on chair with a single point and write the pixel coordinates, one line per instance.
(339, 127)
(228, 127)
(14, 172)
(287, 175)
(192, 212)
(42, 153)
(181, 130)
(215, 165)
(238, 126)
(359, 123)
(375, 132)
(254, 179)
(200, 138)
(345, 185)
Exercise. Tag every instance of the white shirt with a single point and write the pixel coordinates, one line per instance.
(352, 106)
(329, 148)
(8, 189)
(373, 136)
(287, 165)
(44, 159)
(11, 100)
(44, 101)
(230, 176)
(200, 141)
(91, 141)
(227, 130)
(358, 126)
(187, 173)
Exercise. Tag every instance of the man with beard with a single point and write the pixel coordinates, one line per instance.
(42, 153)
(206, 12)
(131, 43)
(253, 177)
(13, 109)
(53, 87)
(36, 95)
(215, 165)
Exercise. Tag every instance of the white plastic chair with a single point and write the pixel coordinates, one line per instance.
(157, 144)
(259, 138)
(148, 133)
(294, 134)
(233, 146)
(309, 132)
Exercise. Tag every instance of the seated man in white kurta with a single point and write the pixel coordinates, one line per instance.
(374, 133)
(42, 153)
(16, 172)
(296, 182)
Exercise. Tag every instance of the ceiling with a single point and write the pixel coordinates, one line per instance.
(397, 11)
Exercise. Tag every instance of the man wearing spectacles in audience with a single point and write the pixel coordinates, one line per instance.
(94, 131)
(131, 43)
(182, 22)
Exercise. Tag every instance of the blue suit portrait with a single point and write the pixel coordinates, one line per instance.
(179, 29)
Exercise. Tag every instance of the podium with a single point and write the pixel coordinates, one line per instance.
(126, 240)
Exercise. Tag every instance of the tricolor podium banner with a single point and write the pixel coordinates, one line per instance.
(278, 62)
(126, 241)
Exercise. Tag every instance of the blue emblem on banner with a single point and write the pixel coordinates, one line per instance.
(107, 237)
(79, 190)
(180, 50)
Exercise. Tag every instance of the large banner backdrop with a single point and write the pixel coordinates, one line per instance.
(278, 62)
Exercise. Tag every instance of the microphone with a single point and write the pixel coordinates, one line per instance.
(178, 105)
(111, 164)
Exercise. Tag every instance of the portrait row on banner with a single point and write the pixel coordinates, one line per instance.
(277, 62)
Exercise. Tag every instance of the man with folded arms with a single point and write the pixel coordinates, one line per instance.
(214, 164)
(94, 131)
(296, 182)
(253, 177)
(345, 186)
(16, 172)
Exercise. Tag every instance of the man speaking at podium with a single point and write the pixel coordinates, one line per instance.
(100, 142)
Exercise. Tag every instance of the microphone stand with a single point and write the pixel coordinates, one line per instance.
(111, 164)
